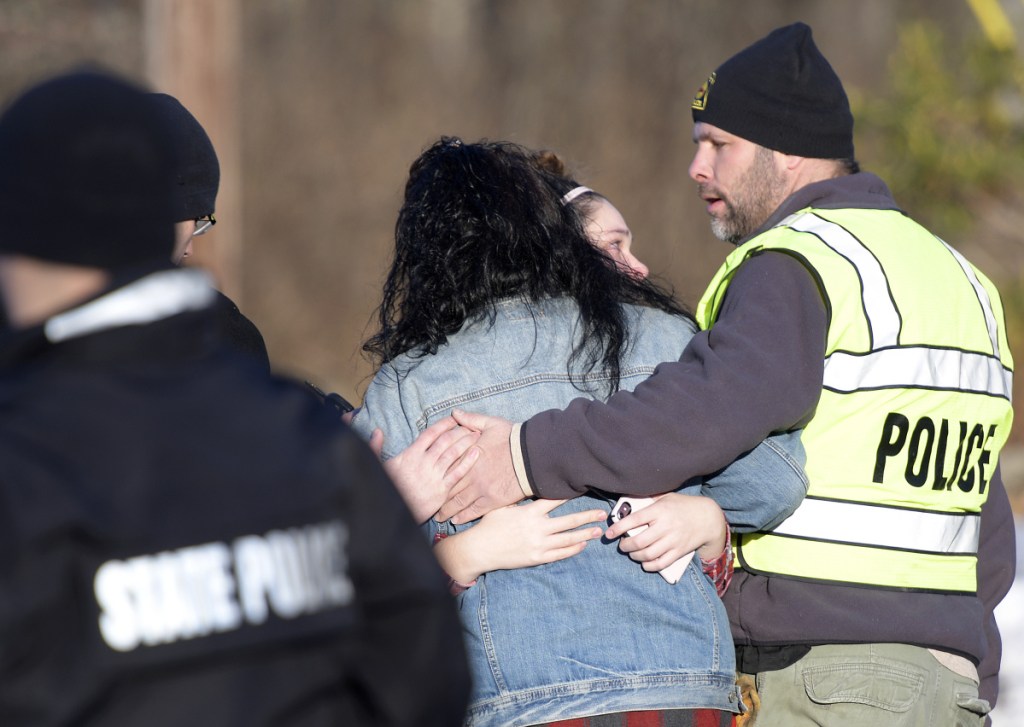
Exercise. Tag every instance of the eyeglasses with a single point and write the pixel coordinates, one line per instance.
(203, 225)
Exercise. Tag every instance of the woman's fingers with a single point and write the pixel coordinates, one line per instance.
(571, 537)
(377, 441)
(643, 549)
(545, 506)
(566, 552)
(574, 520)
(430, 435)
(477, 421)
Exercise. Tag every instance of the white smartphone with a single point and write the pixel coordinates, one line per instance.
(627, 505)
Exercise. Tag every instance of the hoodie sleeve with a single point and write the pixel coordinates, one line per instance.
(997, 564)
(758, 370)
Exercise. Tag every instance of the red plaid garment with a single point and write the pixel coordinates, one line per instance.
(719, 570)
(662, 718)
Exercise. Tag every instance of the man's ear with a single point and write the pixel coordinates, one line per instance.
(790, 162)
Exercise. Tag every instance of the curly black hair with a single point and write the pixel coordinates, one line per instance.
(482, 222)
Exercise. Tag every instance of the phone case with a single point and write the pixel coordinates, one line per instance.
(626, 506)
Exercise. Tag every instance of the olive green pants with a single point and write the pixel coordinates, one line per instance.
(867, 685)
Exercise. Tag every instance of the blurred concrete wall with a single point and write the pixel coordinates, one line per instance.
(339, 98)
(335, 100)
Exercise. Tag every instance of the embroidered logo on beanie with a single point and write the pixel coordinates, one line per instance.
(780, 93)
(700, 101)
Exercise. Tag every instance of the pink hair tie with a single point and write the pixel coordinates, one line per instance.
(574, 193)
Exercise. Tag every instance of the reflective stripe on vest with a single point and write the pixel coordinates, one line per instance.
(919, 531)
(883, 318)
(880, 568)
(927, 368)
(906, 433)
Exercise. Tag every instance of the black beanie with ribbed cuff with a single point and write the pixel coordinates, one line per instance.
(780, 93)
(198, 169)
(86, 174)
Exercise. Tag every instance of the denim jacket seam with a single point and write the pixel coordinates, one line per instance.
(788, 458)
(446, 405)
(486, 636)
(704, 587)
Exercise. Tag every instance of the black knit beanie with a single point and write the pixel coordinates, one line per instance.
(782, 94)
(86, 174)
(198, 170)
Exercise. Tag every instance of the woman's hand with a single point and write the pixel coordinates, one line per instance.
(676, 525)
(517, 536)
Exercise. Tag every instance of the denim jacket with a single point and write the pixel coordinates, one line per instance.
(594, 633)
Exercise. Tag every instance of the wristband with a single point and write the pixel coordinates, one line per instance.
(515, 445)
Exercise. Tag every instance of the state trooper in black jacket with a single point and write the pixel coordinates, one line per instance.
(182, 540)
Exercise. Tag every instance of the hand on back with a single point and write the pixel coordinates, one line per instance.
(426, 470)
(517, 537)
(677, 525)
(492, 483)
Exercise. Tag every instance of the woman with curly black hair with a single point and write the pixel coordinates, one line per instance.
(497, 301)
(481, 225)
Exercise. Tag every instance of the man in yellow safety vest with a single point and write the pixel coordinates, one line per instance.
(872, 603)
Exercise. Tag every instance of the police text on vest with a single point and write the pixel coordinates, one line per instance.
(928, 448)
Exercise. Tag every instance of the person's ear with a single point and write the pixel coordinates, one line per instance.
(789, 162)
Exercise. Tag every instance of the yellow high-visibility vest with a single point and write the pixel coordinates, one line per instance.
(915, 405)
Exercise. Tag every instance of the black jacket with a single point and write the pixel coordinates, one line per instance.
(185, 542)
